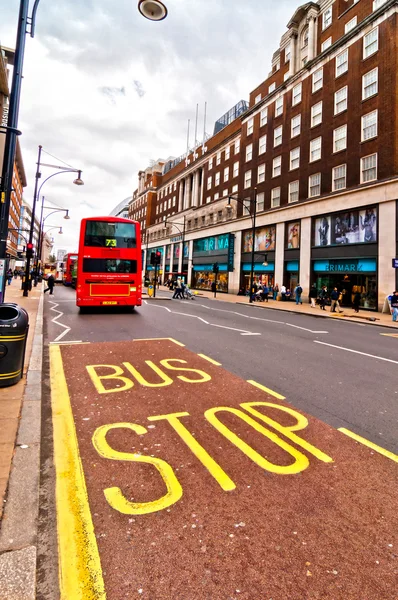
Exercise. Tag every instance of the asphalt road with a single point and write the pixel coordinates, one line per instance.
(342, 373)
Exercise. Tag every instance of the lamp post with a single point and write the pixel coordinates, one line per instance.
(154, 10)
(36, 194)
(182, 233)
(41, 228)
(253, 213)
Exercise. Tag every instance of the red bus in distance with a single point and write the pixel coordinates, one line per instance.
(70, 266)
(109, 268)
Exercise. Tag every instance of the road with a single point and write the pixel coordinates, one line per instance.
(302, 358)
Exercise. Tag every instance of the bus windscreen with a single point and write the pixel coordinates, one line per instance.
(103, 234)
(109, 265)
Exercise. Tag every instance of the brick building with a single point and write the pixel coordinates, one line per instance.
(316, 149)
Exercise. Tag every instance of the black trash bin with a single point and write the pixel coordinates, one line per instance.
(14, 327)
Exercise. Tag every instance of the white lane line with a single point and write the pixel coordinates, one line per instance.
(357, 352)
(55, 320)
(241, 331)
(304, 328)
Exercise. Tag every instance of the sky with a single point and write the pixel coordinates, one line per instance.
(106, 90)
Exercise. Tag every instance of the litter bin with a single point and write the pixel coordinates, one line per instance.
(14, 327)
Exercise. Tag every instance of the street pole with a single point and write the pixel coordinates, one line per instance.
(11, 136)
(39, 241)
(32, 225)
(253, 244)
(155, 280)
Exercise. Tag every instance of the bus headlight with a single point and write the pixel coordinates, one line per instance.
(133, 289)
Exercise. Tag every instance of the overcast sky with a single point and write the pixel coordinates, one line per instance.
(106, 90)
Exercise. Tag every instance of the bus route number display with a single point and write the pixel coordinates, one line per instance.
(110, 242)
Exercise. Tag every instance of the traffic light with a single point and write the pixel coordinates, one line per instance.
(216, 268)
(158, 257)
(153, 258)
(29, 250)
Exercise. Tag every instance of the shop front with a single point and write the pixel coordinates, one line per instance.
(208, 251)
(264, 257)
(176, 260)
(291, 275)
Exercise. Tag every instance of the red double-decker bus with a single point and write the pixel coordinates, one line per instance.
(69, 276)
(109, 268)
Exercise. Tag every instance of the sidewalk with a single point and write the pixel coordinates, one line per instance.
(20, 418)
(348, 314)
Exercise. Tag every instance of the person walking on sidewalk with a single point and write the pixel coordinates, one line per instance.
(50, 285)
(275, 292)
(9, 276)
(313, 295)
(323, 296)
(394, 306)
(334, 297)
(357, 301)
(297, 292)
(283, 293)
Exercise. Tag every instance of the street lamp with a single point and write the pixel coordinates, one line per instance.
(36, 195)
(41, 227)
(253, 213)
(154, 10)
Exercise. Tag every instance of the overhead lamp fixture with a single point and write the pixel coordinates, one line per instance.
(154, 10)
(67, 215)
(60, 230)
(265, 263)
(79, 180)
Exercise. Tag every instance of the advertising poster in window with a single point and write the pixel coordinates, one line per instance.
(176, 252)
(186, 250)
(168, 252)
(293, 235)
(368, 225)
(265, 239)
(322, 231)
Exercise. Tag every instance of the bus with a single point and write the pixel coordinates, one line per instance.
(69, 275)
(109, 268)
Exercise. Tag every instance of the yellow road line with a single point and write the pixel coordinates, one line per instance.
(394, 335)
(265, 389)
(159, 339)
(211, 360)
(80, 572)
(369, 444)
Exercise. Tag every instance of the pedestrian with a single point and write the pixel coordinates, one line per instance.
(323, 296)
(265, 293)
(356, 301)
(9, 276)
(15, 273)
(178, 290)
(275, 292)
(394, 306)
(288, 294)
(50, 284)
(297, 292)
(313, 295)
(283, 293)
(334, 297)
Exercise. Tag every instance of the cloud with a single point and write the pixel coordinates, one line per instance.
(107, 91)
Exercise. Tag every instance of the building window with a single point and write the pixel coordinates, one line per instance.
(217, 179)
(293, 191)
(237, 146)
(203, 220)
(257, 99)
(378, 3)
(261, 174)
(248, 179)
(287, 53)
(295, 126)
(234, 189)
(216, 196)
(279, 106)
(369, 168)
(236, 169)
(315, 149)
(314, 185)
(316, 114)
(370, 84)
(225, 193)
(317, 80)
(209, 181)
(326, 44)
(371, 42)
(294, 158)
(276, 166)
(226, 174)
(169, 203)
(262, 144)
(339, 178)
(340, 138)
(218, 158)
(249, 152)
(340, 100)
(275, 197)
(174, 200)
(342, 63)
(350, 25)
(304, 38)
(210, 163)
(296, 94)
(227, 153)
(263, 117)
(327, 18)
(369, 126)
(208, 199)
(219, 215)
(250, 126)
(260, 201)
(271, 87)
(278, 135)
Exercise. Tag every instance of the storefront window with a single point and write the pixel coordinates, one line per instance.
(352, 227)
(265, 239)
(293, 235)
(348, 285)
(202, 280)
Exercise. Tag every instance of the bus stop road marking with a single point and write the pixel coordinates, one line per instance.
(55, 320)
(175, 478)
(369, 444)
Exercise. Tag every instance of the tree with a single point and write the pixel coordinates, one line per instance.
(52, 258)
